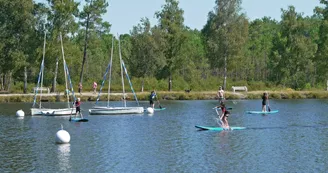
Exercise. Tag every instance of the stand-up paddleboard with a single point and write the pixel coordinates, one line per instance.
(219, 128)
(260, 112)
(159, 109)
(78, 119)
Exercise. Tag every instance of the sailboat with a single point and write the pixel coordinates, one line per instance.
(107, 110)
(53, 111)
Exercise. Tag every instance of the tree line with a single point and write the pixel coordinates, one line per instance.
(229, 50)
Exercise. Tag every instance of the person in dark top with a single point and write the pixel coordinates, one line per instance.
(265, 99)
(152, 98)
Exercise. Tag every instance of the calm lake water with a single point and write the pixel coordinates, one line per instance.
(293, 140)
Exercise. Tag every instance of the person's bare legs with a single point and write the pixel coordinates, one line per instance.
(263, 108)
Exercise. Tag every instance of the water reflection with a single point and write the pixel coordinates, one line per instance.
(63, 155)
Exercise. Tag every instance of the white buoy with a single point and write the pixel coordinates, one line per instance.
(20, 113)
(62, 136)
(150, 110)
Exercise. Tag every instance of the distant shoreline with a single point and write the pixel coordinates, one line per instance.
(165, 95)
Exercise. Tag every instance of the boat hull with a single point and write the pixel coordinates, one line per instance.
(115, 110)
(53, 112)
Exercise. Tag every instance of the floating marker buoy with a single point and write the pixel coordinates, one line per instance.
(62, 136)
(150, 110)
(20, 113)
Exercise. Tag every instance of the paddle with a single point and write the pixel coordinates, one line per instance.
(218, 120)
(269, 109)
(220, 108)
(159, 104)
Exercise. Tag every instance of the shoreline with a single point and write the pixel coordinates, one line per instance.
(165, 95)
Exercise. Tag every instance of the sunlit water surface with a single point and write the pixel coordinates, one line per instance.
(293, 140)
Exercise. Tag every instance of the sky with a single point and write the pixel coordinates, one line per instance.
(124, 14)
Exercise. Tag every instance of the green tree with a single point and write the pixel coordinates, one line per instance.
(322, 53)
(146, 57)
(194, 65)
(170, 22)
(261, 32)
(92, 21)
(293, 51)
(61, 20)
(16, 20)
(225, 34)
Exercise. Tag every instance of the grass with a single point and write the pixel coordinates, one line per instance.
(176, 95)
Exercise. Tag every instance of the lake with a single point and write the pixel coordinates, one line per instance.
(293, 140)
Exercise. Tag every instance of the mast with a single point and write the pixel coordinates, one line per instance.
(42, 64)
(62, 48)
(110, 72)
(119, 49)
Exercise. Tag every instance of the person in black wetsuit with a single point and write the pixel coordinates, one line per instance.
(152, 98)
(265, 99)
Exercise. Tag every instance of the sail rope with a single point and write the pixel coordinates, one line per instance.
(38, 84)
(127, 76)
(70, 82)
(102, 83)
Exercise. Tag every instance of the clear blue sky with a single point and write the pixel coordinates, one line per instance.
(124, 14)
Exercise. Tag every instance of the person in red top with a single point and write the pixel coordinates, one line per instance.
(94, 87)
(224, 116)
(78, 106)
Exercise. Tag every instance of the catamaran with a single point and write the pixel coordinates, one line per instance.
(53, 111)
(107, 110)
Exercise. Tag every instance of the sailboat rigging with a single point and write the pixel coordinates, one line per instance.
(53, 111)
(101, 110)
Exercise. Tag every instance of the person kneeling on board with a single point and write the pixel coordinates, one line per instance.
(224, 116)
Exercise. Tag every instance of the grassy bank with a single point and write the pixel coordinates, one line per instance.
(163, 95)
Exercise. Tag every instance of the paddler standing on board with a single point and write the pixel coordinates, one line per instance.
(152, 98)
(220, 94)
(265, 99)
(78, 106)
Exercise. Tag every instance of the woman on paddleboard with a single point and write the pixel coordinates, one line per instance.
(224, 116)
(265, 99)
(224, 119)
